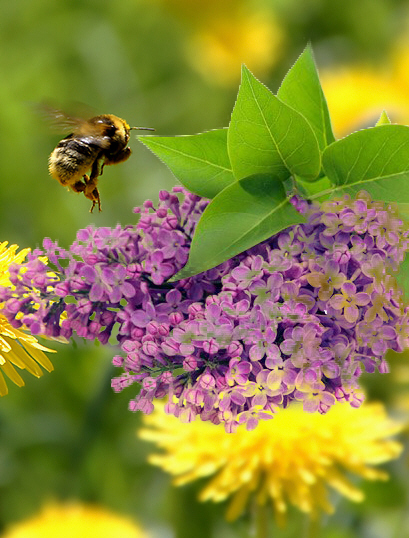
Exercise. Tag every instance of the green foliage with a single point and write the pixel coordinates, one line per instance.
(200, 162)
(374, 159)
(245, 213)
(403, 278)
(267, 136)
(301, 89)
(273, 149)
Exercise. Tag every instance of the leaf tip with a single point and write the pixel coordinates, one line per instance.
(245, 71)
(308, 49)
(142, 138)
(383, 119)
(182, 274)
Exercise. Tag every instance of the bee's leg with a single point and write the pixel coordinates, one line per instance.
(94, 196)
(118, 158)
(94, 203)
(91, 190)
(79, 186)
(95, 172)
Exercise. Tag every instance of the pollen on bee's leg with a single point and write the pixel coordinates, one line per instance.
(79, 186)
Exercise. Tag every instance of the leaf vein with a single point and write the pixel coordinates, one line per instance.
(205, 161)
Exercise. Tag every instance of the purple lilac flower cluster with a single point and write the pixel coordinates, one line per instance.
(297, 317)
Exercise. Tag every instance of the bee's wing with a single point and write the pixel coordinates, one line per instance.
(57, 119)
(62, 122)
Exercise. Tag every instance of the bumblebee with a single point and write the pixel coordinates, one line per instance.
(92, 144)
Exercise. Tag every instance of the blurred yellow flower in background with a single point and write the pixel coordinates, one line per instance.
(75, 520)
(220, 36)
(292, 459)
(357, 94)
(16, 347)
(218, 49)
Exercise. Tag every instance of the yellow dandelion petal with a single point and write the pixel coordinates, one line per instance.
(21, 350)
(5, 347)
(293, 459)
(75, 520)
(8, 369)
(7, 257)
(20, 358)
(36, 351)
(3, 385)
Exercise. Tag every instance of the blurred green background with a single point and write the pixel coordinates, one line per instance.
(173, 65)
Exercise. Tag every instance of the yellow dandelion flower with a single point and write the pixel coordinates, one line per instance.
(75, 520)
(16, 347)
(292, 459)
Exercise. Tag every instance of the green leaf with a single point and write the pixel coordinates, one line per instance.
(301, 89)
(403, 278)
(403, 210)
(383, 119)
(317, 188)
(268, 137)
(200, 162)
(244, 214)
(374, 159)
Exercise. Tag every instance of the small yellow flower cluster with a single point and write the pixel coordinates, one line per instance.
(16, 347)
(75, 520)
(291, 459)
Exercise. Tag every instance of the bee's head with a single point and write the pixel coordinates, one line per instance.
(115, 128)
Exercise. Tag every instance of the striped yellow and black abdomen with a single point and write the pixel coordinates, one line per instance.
(72, 159)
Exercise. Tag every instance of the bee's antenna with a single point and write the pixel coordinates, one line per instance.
(142, 128)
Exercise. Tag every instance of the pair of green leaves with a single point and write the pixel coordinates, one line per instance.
(273, 141)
